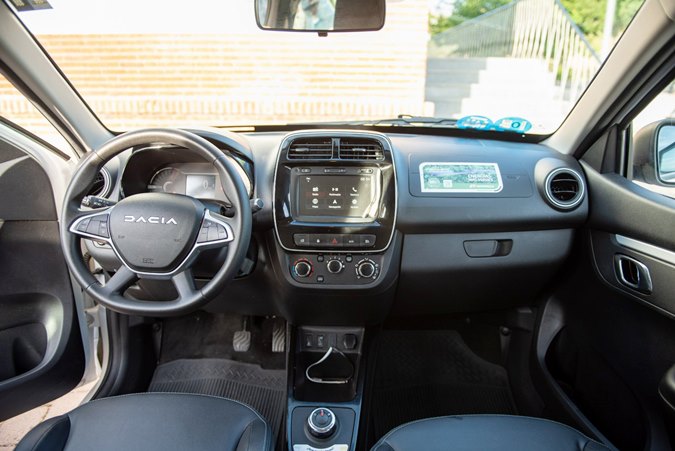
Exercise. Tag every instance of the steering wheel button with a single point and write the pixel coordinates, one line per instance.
(94, 226)
(103, 230)
(82, 227)
(212, 234)
(203, 236)
(222, 233)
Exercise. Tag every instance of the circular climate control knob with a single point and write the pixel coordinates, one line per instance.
(366, 268)
(302, 268)
(334, 266)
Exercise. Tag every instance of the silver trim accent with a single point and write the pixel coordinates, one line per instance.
(556, 202)
(319, 429)
(194, 252)
(337, 447)
(335, 133)
(646, 248)
(107, 183)
(644, 279)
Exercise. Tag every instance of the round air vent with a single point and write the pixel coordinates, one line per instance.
(564, 188)
(102, 184)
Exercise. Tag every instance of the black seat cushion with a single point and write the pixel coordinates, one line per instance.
(153, 421)
(486, 433)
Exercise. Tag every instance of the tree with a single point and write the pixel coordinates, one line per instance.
(462, 11)
(589, 15)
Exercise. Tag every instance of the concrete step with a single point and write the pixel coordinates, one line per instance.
(485, 92)
(514, 88)
(482, 63)
(494, 77)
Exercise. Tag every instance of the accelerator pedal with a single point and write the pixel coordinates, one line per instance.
(279, 336)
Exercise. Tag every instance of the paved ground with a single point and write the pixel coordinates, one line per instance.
(12, 430)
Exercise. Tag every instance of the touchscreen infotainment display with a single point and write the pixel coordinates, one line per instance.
(349, 196)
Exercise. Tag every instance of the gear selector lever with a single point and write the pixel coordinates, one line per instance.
(321, 422)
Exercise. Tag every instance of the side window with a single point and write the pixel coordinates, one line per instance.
(15, 108)
(653, 144)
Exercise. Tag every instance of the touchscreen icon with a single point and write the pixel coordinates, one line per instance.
(354, 189)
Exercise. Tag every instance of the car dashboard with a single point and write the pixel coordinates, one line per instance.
(351, 225)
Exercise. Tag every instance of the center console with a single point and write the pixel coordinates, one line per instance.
(335, 206)
(334, 217)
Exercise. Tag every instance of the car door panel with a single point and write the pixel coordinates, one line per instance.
(41, 352)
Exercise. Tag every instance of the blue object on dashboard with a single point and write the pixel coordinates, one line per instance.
(513, 124)
(474, 122)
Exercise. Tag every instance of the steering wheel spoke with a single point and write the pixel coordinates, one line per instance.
(92, 224)
(120, 281)
(185, 284)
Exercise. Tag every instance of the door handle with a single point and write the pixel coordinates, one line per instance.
(633, 273)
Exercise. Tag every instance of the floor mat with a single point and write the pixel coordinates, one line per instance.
(433, 373)
(203, 335)
(264, 390)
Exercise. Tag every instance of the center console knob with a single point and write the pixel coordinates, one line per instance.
(334, 266)
(366, 268)
(321, 422)
(302, 268)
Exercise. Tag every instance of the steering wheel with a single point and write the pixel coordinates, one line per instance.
(156, 235)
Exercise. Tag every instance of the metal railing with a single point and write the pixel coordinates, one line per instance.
(533, 29)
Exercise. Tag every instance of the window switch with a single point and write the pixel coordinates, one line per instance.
(320, 341)
(309, 341)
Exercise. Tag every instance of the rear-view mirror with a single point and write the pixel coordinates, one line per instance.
(320, 16)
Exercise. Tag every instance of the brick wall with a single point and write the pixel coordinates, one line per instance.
(139, 80)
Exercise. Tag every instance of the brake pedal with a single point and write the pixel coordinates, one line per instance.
(241, 341)
(279, 337)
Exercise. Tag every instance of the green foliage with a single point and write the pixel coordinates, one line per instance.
(589, 15)
(625, 10)
(463, 10)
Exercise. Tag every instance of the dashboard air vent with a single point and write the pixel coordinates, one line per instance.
(360, 149)
(564, 188)
(311, 149)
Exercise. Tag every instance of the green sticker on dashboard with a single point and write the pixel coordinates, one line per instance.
(460, 178)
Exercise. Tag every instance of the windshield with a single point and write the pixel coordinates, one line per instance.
(486, 64)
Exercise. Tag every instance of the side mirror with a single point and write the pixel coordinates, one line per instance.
(654, 153)
(320, 16)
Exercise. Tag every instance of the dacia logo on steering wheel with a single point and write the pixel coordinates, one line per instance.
(151, 220)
